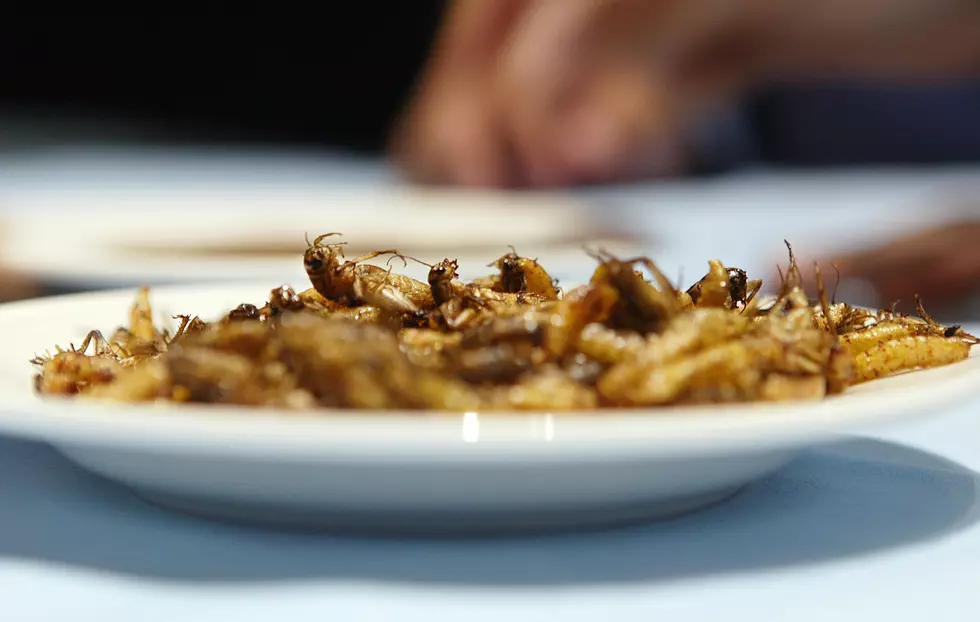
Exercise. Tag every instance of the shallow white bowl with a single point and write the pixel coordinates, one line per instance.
(422, 471)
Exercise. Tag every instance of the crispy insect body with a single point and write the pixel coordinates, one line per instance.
(567, 318)
(315, 300)
(640, 306)
(906, 353)
(141, 317)
(692, 362)
(487, 282)
(886, 327)
(147, 381)
(840, 370)
(456, 314)
(492, 297)
(190, 325)
(458, 306)
(244, 312)
(731, 371)
(876, 334)
(478, 305)
(608, 345)
(792, 344)
(384, 295)
(724, 287)
(69, 373)
(537, 279)
(547, 389)
(101, 347)
(784, 387)
(354, 365)
(366, 314)
(792, 279)
(845, 318)
(717, 287)
(336, 280)
(500, 350)
(416, 291)
(646, 384)
(516, 328)
(524, 275)
(685, 334)
(501, 362)
(331, 275)
(208, 375)
(692, 331)
(320, 262)
(582, 369)
(427, 348)
(442, 281)
(426, 338)
(284, 298)
(512, 278)
(555, 326)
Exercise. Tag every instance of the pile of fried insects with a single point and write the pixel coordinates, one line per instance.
(363, 337)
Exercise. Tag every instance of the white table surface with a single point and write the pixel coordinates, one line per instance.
(881, 527)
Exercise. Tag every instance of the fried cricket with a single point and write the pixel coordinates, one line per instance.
(364, 337)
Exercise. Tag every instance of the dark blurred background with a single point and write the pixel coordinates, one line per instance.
(341, 80)
(217, 77)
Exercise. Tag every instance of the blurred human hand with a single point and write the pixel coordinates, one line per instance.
(941, 264)
(556, 92)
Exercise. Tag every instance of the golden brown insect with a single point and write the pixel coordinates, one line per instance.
(141, 317)
(546, 388)
(729, 366)
(323, 263)
(905, 353)
(189, 325)
(636, 357)
(373, 289)
(244, 311)
(351, 282)
(500, 362)
(284, 298)
(608, 345)
(582, 369)
(524, 275)
(426, 347)
(460, 306)
(69, 373)
(554, 326)
(893, 343)
(640, 306)
(724, 287)
(443, 281)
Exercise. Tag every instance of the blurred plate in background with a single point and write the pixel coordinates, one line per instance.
(105, 239)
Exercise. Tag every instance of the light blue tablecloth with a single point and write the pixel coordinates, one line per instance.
(880, 528)
(875, 528)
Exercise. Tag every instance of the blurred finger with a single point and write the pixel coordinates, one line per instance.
(627, 126)
(589, 93)
(448, 132)
(542, 63)
(941, 264)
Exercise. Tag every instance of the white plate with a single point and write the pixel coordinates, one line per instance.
(109, 239)
(372, 470)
